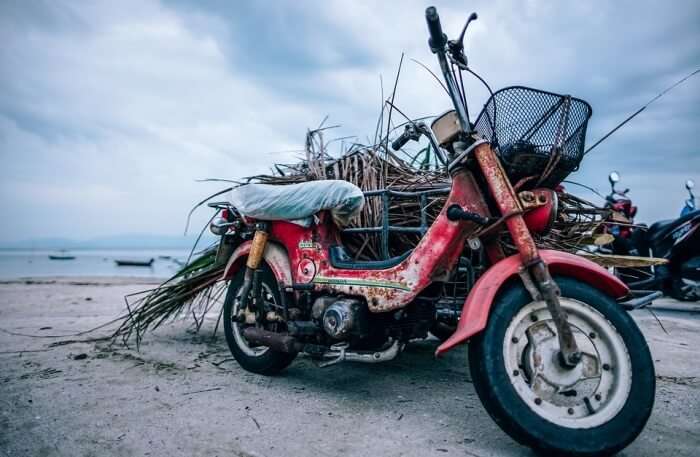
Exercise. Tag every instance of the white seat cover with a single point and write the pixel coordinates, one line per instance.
(298, 202)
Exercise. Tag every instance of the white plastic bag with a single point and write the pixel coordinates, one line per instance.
(299, 202)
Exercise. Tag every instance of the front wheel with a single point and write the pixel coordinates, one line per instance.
(596, 408)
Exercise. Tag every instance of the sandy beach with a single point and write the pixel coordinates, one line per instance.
(181, 394)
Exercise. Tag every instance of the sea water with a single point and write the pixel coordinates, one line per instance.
(21, 263)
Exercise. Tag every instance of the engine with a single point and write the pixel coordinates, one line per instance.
(348, 319)
(341, 318)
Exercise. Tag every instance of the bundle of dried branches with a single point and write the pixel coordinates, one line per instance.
(577, 224)
(370, 168)
(196, 289)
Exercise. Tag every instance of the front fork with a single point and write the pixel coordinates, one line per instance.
(535, 271)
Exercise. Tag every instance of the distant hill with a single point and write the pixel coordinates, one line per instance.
(133, 241)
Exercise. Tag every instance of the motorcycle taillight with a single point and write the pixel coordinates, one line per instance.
(227, 215)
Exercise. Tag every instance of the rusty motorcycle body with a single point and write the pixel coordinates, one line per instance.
(548, 344)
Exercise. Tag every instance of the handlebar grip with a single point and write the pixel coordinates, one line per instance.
(400, 141)
(437, 38)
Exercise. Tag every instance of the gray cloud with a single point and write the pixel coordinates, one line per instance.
(109, 111)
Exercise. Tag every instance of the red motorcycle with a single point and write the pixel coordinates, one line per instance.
(622, 215)
(555, 360)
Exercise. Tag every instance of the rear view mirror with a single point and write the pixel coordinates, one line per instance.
(614, 177)
(689, 184)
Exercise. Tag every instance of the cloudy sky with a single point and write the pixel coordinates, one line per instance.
(109, 111)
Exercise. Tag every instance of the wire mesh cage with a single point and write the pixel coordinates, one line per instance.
(539, 136)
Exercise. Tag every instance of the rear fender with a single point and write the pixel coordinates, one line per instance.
(476, 308)
(275, 256)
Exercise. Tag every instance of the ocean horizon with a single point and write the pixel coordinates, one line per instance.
(23, 263)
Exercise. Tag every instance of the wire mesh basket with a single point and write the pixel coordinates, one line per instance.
(539, 136)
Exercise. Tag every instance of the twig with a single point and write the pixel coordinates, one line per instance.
(393, 94)
(88, 340)
(200, 391)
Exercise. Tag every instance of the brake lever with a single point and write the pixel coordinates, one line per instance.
(456, 47)
(456, 50)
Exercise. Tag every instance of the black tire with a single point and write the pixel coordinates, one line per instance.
(677, 291)
(520, 421)
(270, 362)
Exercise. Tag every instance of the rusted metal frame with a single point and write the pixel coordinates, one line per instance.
(568, 349)
(385, 290)
(385, 229)
(508, 202)
(529, 284)
(488, 231)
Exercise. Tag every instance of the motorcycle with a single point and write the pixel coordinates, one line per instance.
(621, 217)
(626, 235)
(555, 360)
(677, 241)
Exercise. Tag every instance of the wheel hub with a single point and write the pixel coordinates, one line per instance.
(582, 396)
(549, 378)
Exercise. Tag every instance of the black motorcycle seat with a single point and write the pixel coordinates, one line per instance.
(341, 260)
(661, 229)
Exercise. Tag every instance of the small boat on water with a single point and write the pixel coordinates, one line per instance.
(62, 255)
(134, 263)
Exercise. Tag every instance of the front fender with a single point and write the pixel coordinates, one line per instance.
(275, 256)
(476, 308)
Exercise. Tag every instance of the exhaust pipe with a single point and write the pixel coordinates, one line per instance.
(279, 342)
(641, 302)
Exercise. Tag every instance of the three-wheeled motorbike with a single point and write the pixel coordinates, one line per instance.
(557, 363)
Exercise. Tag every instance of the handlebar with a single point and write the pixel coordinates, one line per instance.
(399, 142)
(438, 42)
(438, 39)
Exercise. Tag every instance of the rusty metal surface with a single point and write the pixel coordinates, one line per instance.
(276, 341)
(550, 292)
(507, 201)
(391, 288)
(257, 249)
(509, 204)
(531, 199)
(275, 257)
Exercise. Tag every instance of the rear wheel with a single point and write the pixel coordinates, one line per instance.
(257, 359)
(596, 408)
(685, 290)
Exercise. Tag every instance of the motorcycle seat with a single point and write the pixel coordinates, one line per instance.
(299, 202)
(661, 229)
(341, 260)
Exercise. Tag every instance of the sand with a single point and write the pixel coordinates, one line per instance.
(182, 395)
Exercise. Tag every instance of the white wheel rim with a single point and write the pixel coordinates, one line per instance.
(586, 396)
(237, 328)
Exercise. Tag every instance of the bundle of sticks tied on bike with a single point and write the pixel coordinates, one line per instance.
(349, 259)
